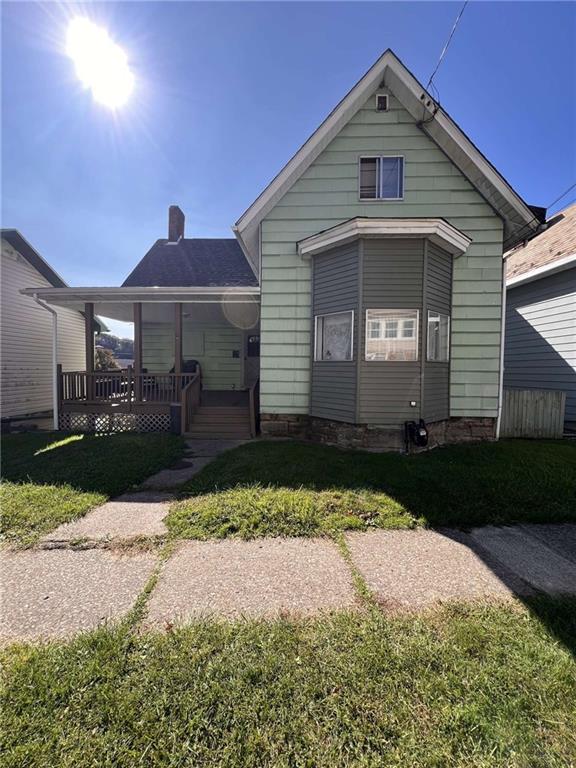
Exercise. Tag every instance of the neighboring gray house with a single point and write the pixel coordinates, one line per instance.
(363, 289)
(540, 349)
(26, 334)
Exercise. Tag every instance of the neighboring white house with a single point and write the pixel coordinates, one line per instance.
(26, 384)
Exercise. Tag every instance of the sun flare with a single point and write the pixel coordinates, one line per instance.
(101, 65)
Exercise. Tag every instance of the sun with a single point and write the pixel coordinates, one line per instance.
(101, 65)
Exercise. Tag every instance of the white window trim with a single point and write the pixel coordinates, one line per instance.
(330, 314)
(415, 337)
(380, 96)
(444, 314)
(381, 199)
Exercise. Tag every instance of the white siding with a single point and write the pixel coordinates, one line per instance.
(26, 340)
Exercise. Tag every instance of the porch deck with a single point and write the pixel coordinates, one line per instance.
(120, 400)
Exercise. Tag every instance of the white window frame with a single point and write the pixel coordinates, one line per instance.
(316, 336)
(380, 96)
(401, 178)
(383, 336)
(448, 327)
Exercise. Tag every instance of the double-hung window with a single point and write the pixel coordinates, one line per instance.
(381, 178)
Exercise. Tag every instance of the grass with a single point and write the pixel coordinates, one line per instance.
(477, 686)
(288, 488)
(49, 479)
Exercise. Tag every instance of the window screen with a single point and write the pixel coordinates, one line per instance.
(438, 341)
(334, 336)
(381, 178)
(396, 337)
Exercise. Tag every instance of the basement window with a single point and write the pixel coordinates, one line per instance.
(333, 336)
(391, 334)
(381, 178)
(438, 341)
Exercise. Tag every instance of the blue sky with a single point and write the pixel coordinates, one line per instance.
(226, 92)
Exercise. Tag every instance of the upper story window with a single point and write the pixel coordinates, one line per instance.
(382, 178)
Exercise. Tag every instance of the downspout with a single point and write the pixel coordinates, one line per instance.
(502, 343)
(54, 356)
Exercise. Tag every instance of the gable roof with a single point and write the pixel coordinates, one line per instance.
(519, 218)
(193, 262)
(20, 244)
(556, 243)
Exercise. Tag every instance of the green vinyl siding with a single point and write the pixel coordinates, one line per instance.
(327, 194)
(212, 345)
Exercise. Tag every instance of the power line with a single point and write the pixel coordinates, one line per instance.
(451, 35)
(561, 196)
(430, 85)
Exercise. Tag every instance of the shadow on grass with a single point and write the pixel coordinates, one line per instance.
(463, 486)
(104, 464)
(510, 482)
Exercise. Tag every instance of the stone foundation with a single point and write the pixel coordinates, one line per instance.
(302, 427)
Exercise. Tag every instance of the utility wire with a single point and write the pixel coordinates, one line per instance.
(561, 196)
(430, 84)
(447, 44)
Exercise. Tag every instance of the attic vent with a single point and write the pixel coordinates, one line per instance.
(381, 102)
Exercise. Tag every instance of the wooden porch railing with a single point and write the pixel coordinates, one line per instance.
(191, 395)
(115, 387)
(254, 405)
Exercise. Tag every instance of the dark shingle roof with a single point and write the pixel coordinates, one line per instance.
(193, 262)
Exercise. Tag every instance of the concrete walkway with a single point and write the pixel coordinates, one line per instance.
(140, 514)
(51, 593)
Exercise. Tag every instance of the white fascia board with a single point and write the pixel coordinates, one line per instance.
(544, 271)
(438, 231)
(441, 129)
(146, 293)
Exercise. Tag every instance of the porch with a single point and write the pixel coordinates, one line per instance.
(195, 370)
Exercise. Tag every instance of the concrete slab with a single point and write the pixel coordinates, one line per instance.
(57, 593)
(128, 516)
(172, 478)
(265, 577)
(412, 569)
(211, 447)
(561, 537)
(529, 557)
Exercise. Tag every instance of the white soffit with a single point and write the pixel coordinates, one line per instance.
(438, 231)
(517, 216)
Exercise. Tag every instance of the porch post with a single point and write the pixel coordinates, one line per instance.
(89, 343)
(138, 351)
(178, 338)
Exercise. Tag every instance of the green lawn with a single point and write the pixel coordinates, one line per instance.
(477, 686)
(289, 488)
(51, 478)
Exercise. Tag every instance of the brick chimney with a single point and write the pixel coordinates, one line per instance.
(175, 224)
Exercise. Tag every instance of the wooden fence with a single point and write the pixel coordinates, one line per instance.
(533, 413)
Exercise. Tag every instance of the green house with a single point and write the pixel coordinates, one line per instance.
(359, 302)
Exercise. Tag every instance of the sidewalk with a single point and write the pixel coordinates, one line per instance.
(58, 592)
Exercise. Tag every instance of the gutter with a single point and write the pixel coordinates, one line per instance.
(54, 357)
(502, 344)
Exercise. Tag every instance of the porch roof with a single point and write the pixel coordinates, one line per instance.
(117, 302)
